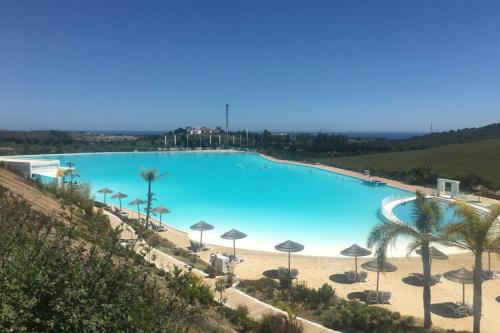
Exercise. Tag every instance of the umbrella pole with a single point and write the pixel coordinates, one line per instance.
(201, 237)
(289, 271)
(378, 274)
(234, 248)
(430, 265)
(489, 260)
(120, 204)
(160, 218)
(139, 211)
(463, 293)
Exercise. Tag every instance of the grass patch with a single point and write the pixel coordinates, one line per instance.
(458, 161)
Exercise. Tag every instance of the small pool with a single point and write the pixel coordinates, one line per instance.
(404, 212)
(269, 201)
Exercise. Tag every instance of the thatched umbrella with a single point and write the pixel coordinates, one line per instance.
(462, 276)
(289, 246)
(375, 266)
(138, 202)
(433, 254)
(105, 191)
(119, 196)
(355, 251)
(234, 235)
(479, 189)
(201, 226)
(161, 210)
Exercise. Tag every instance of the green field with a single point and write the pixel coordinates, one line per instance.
(481, 158)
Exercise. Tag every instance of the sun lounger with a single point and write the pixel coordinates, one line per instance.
(281, 272)
(371, 297)
(436, 278)
(385, 297)
(459, 310)
(350, 276)
(381, 297)
(419, 278)
(194, 247)
(235, 259)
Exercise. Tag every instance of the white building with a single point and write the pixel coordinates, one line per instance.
(32, 168)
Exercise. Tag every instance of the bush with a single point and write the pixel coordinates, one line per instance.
(240, 317)
(353, 316)
(52, 285)
(259, 285)
(279, 323)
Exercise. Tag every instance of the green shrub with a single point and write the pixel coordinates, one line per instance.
(279, 323)
(52, 285)
(240, 317)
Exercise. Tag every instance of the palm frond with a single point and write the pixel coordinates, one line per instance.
(427, 214)
(471, 229)
(385, 234)
(412, 246)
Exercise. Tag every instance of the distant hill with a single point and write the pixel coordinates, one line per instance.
(437, 139)
(474, 161)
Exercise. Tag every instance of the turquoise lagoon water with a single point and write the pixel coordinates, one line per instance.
(270, 201)
(404, 212)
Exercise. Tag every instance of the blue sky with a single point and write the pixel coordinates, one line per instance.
(294, 65)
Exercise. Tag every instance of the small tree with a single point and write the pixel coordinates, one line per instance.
(220, 287)
(472, 231)
(72, 174)
(150, 175)
(424, 229)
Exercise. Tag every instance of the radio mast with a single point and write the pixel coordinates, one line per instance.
(227, 122)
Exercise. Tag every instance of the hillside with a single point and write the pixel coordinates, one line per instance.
(437, 139)
(457, 161)
(90, 283)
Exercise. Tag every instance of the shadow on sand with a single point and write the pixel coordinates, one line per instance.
(271, 274)
(412, 281)
(440, 309)
(357, 295)
(339, 278)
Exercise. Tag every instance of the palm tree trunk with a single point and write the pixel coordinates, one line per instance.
(427, 288)
(148, 208)
(478, 291)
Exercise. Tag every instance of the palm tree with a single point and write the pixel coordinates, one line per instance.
(150, 175)
(424, 229)
(72, 174)
(472, 231)
(492, 245)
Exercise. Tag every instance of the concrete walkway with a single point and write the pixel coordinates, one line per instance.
(234, 297)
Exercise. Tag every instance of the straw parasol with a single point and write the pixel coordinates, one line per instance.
(355, 251)
(374, 266)
(137, 202)
(289, 246)
(105, 191)
(119, 196)
(434, 254)
(201, 226)
(479, 189)
(462, 276)
(161, 210)
(234, 235)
